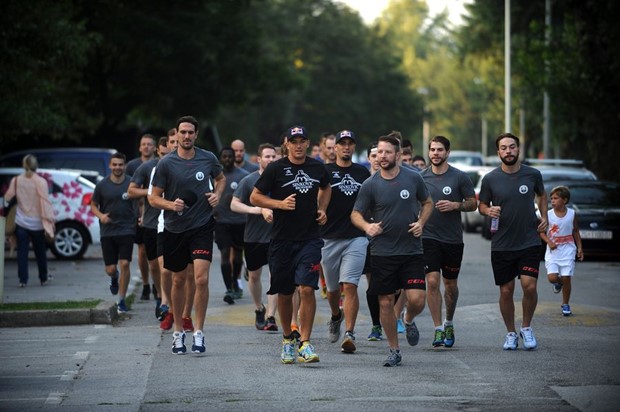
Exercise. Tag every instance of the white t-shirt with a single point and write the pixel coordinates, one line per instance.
(560, 232)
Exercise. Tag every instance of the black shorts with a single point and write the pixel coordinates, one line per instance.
(443, 257)
(367, 265)
(139, 237)
(390, 273)
(510, 264)
(160, 243)
(116, 248)
(149, 236)
(256, 255)
(228, 235)
(181, 249)
(294, 263)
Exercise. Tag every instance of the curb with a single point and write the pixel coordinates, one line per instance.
(103, 313)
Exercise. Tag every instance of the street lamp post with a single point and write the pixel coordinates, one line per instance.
(425, 124)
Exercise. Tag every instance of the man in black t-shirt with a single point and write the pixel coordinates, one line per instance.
(297, 189)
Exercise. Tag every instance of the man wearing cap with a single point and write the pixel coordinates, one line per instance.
(297, 189)
(344, 252)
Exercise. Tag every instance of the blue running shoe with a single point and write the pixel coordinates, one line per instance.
(449, 332)
(566, 310)
(557, 287)
(198, 342)
(288, 351)
(400, 326)
(376, 334)
(439, 338)
(121, 307)
(178, 343)
(306, 353)
(114, 284)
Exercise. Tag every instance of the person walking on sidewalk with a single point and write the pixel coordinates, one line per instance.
(345, 247)
(34, 217)
(182, 188)
(297, 189)
(453, 193)
(256, 239)
(117, 217)
(563, 244)
(398, 201)
(507, 193)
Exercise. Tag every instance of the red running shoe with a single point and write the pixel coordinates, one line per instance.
(166, 323)
(188, 326)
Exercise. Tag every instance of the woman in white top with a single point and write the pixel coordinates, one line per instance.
(33, 218)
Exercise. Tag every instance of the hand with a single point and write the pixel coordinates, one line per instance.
(494, 211)
(105, 218)
(213, 198)
(178, 205)
(552, 246)
(321, 217)
(446, 205)
(288, 203)
(267, 214)
(542, 226)
(580, 255)
(416, 229)
(374, 229)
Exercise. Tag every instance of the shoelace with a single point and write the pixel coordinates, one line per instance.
(178, 341)
(199, 339)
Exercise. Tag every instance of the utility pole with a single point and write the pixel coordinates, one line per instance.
(546, 111)
(507, 97)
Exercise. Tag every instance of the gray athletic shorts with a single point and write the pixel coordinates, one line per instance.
(343, 261)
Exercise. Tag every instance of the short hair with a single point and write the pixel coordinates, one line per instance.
(325, 136)
(225, 148)
(407, 151)
(561, 191)
(119, 155)
(418, 157)
(163, 141)
(440, 139)
(30, 162)
(148, 136)
(172, 131)
(392, 139)
(372, 146)
(396, 134)
(406, 143)
(188, 119)
(264, 146)
(503, 136)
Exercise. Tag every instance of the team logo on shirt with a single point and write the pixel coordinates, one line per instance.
(234, 185)
(287, 171)
(200, 176)
(523, 189)
(348, 185)
(404, 194)
(336, 174)
(125, 196)
(446, 190)
(302, 182)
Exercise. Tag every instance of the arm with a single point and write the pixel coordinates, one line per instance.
(325, 195)
(157, 200)
(10, 192)
(103, 217)
(577, 238)
(134, 191)
(468, 205)
(541, 199)
(220, 184)
(237, 206)
(549, 242)
(417, 227)
(258, 198)
(491, 211)
(371, 229)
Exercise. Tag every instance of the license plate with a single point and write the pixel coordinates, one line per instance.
(596, 234)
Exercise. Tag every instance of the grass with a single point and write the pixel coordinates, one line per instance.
(69, 304)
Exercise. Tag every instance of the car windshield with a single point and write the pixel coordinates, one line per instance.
(596, 196)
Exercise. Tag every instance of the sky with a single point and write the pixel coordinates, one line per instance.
(371, 9)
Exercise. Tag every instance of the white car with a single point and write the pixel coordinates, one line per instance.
(70, 194)
(471, 221)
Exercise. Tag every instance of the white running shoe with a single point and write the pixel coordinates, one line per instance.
(529, 341)
(512, 341)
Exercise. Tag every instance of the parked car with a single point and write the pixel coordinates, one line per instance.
(70, 194)
(464, 157)
(597, 204)
(91, 160)
(471, 221)
(549, 174)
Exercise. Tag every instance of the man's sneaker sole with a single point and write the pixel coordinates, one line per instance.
(312, 359)
(348, 346)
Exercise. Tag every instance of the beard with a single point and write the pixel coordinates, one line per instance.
(438, 162)
(390, 165)
(510, 162)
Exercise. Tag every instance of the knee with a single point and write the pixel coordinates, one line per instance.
(306, 292)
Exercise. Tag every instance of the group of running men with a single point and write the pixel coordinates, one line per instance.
(398, 225)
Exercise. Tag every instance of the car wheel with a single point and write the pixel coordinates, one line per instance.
(70, 241)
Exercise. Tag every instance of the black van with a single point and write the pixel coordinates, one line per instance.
(87, 159)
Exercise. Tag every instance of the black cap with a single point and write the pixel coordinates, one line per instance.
(345, 134)
(296, 131)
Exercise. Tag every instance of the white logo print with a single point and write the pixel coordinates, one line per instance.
(447, 190)
(287, 171)
(336, 174)
(125, 196)
(404, 194)
(523, 189)
(234, 185)
(348, 185)
(302, 182)
(200, 176)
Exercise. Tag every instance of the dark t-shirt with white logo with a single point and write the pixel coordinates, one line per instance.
(282, 179)
(142, 178)
(112, 198)
(346, 183)
(515, 193)
(396, 204)
(190, 180)
(223, 214)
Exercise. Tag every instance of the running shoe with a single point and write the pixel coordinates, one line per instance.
(160, 310)
(178, 343)
(348, 343)
(260, 318)
(440, 337)
(306, 353)
(376, 334)
(121, 307)
(188, 326)
(449, 331)
(167, 321)
(393, 358)
(557, 287)
(114, 284)
(237, 294)
(288, 351)
(228, 297)
(400, 326)
(271, 325)
(529, 341)
(512, 341)
(334, 327)
(198, 342)
(324, 292)
(413, 334)
(566, 310)
(146, 292)
(47, 281)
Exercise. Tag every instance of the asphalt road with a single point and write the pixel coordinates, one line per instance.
(128, 366)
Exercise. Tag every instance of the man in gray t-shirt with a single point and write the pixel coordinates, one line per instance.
(400, 205)
(256, 239)
(507, 194)
(182, 188)
(453, 193)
